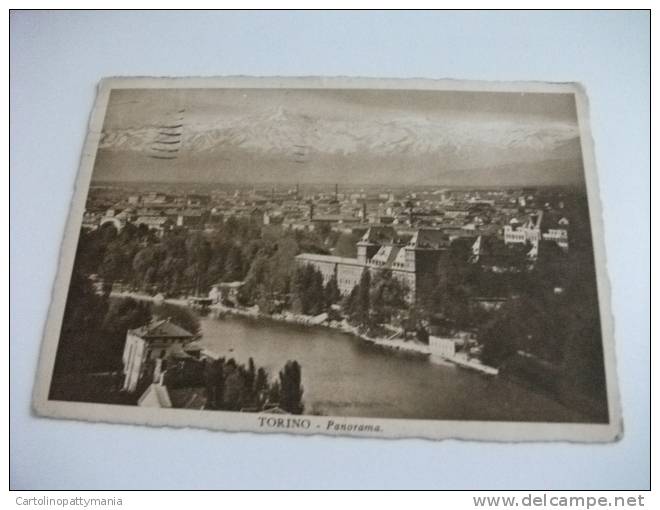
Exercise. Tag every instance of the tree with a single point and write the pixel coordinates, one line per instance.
(291, 390)
(500, 339)
(112, 266)
(170, 272)
(255, 282)
(181, 316)
(123, 314)
(283, 265)
(363, 298)
(214, 377)
(315, 293)
(274, 393)
(532, 324)
(250, 377)
(233, 264)
(145, 265)
(309, 291)
(422, 335)
(234, 386)
(332, 294)
(261, 381)
(199, 254)
(349, 304)
(387, 297)
(79, 349)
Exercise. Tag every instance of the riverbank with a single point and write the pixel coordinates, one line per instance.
(319, 346)
(347, 376)
(411, 346)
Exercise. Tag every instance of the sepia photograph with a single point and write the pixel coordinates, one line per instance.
(366, 257)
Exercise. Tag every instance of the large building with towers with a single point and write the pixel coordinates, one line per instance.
(416, 260)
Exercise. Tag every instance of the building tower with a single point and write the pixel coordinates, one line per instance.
(371, 242)
(365, 250)
(335, 199)
(411, 217)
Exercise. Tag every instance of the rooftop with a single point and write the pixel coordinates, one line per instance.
(387, 255)
(162, 329)
(155, 395)
(379, 235)
(429, 238)
(326, 258)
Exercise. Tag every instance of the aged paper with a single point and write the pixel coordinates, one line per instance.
(343, 256)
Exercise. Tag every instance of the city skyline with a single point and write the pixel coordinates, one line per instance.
(323, 256)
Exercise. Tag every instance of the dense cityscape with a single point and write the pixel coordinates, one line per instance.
(491, 280)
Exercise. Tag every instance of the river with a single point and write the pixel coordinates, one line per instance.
(345, 376)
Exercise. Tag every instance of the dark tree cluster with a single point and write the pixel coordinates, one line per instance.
(94, 327)
(377, 299)
(234, 387)
(553, 316)
(185, 262)
(309, 296)
(180, 262)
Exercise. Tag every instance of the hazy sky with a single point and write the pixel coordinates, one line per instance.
(341, 135)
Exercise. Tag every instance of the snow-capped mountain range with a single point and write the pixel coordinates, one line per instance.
(282, 132)
(294, 143)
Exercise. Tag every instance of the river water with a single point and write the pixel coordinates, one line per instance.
(345, 376)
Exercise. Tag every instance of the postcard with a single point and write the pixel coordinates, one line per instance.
(383, 258)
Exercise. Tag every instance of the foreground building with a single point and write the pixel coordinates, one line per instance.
(417, 260)
(149, 347)
(538, 226)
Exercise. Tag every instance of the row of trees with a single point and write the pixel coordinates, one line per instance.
(234, 387)
(180, 262)
(185, 262)
(374, 300)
